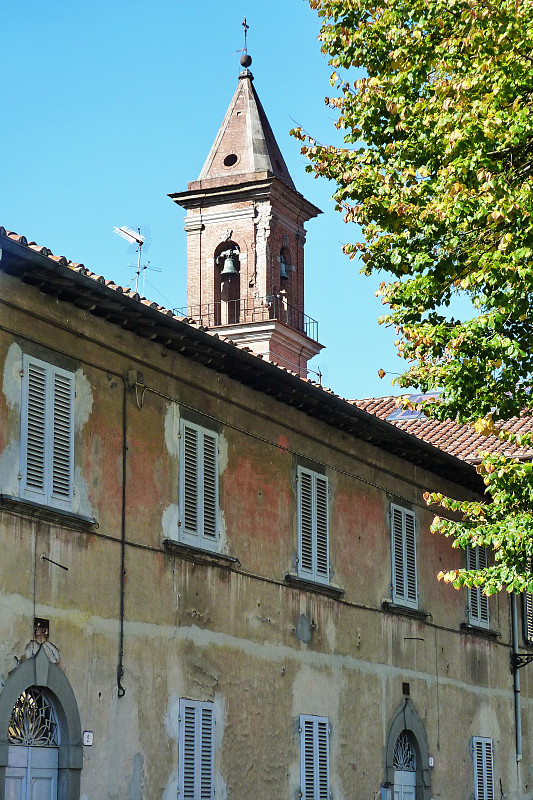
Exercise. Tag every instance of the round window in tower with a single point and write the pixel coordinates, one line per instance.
(230, 160)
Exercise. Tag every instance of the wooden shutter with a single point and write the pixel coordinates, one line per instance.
(47, 435)
(196, 767)
(314, 757)
(62, 435)
(527, 615)
(321, 526)
(410, 557)
(209, 484)
(483, 768)
(190, 479)
(199, 485)
(478, 603)
(305, 518)
(313, 525)
(403, 546)
(482, 557)
(34, 434)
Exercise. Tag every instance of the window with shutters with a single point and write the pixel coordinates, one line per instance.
(313, 526)
(483, 768)
(403, 548)
(314, 758)
(478, 603)
(47, 434)
(196, 750)
(198, 486)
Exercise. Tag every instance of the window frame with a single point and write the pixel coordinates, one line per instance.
(313, 525)
(482, 746)
(53, 418)
(198, 537)
(479, 618)
(199, 710)
(314, 766)
(403, 558)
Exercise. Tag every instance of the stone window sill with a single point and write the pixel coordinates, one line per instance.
(198, 555)
(405, 611)
(57, 516)
(477, 630)
(314, 586)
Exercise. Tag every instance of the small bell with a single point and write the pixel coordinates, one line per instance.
(282, 269)
(229, 266)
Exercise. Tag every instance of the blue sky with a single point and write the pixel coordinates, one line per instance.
(109, 105)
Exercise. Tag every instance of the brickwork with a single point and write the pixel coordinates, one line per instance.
(245, 201)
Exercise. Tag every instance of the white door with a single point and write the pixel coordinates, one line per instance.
(404, 785)
(31, 773)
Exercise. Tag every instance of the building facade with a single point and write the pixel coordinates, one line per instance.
(218, 578)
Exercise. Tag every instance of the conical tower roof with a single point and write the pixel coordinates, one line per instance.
(245, 142)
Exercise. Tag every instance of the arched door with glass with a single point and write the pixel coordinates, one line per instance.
(404, 763)
(33, 736)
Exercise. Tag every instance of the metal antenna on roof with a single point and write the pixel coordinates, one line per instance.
(137, 240)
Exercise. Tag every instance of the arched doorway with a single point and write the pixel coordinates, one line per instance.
(407, 756)
(33, 752)
(40, 734)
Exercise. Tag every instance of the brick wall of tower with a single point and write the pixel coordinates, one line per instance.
(260, 237)
(201, 247)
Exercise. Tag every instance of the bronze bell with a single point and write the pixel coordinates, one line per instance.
(282, 270)
(229, 266)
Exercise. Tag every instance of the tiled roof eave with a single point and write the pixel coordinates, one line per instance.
(126, 309)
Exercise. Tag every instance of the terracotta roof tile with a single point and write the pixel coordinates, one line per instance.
(458, 440)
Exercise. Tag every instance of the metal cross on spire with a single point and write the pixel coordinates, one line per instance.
(245, 26)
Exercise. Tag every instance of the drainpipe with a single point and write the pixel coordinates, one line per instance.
(516, 681)
(120, 667)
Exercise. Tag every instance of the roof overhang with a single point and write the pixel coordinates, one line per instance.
(131, 313)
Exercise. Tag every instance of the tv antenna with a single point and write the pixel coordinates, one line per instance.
(137, 240)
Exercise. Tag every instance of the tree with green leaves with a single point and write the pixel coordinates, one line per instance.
(437, 169)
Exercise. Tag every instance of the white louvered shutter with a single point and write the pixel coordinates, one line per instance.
(34, 434)
(62, 435)
(196, 767)
(305, 518)
(528, 617)
(314, 757)
(321, 527)
(190, 480)
(313, 525)
(478, 603)
(209, 484)
(483, 768)
(410, 557)
(199, 486)
(403, 546)
(47, 434)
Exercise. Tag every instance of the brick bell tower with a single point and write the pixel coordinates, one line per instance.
(245, 239)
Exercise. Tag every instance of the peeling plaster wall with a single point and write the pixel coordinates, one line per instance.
(235, 633)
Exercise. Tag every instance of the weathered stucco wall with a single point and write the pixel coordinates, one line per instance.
(234, 633)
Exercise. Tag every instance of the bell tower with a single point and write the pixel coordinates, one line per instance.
(245, 239)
